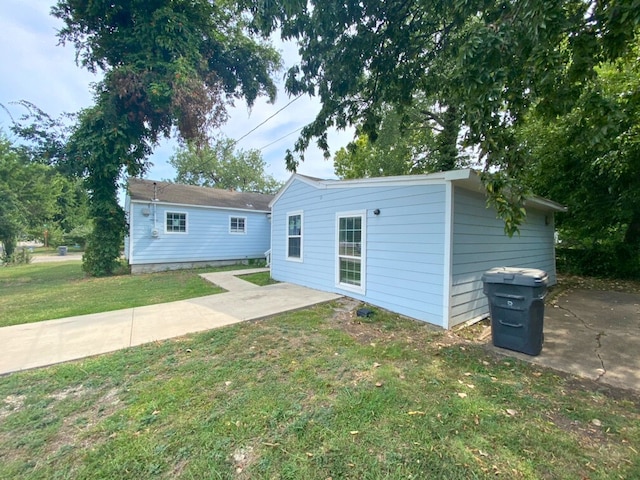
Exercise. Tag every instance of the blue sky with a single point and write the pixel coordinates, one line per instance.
(35, 68)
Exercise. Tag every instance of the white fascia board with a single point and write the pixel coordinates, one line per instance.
(544, 204)
(208, 207)
(399, 181)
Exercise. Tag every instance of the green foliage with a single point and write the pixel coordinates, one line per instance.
(587, 159)
(484, 62)
(32, 194)
(613, 260)
(20, 256)
(167, 64)
(220, 165)
(420, 138)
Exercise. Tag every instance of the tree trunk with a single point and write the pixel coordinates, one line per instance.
(447, 141)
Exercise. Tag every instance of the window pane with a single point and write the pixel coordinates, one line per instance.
(237, 224)
(295, 225)
(294, 247)
(176, 222)
(350, 271)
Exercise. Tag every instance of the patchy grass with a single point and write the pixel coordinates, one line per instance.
(314, 394)
(261, 279)
(45, 291)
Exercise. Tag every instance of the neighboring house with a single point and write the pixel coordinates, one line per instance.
(416, 245)
(174, 226)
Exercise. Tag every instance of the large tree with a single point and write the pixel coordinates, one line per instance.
(589, 159)
(32, 194)
(167, 64)
(421, 138)
(485, 62)
(221, 165)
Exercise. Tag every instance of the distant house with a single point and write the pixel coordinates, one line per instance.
(174, 226)
(415, 245)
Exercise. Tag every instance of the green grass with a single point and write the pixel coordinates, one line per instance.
(45, 291)
(261, 278)
(313, 394)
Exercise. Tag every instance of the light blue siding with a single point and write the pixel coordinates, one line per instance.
(479, 243)
(404, 244)
(207, 239)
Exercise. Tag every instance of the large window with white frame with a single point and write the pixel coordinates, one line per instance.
(351, 242)
(294, 236)
(176, 222)
(238, 225)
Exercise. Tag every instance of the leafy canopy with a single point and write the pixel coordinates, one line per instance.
(220, 165)
(491, 61)
(167, 64)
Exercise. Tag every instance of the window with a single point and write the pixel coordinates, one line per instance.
(294, 236)
(176, 222)
(237, 224)
(350, 248)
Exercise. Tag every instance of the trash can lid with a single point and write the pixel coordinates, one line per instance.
(528, 277)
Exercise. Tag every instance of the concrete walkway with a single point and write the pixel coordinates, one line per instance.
(594, 335)
(54, 341)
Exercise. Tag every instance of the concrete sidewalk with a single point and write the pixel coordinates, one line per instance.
(594, 335)
(54, 341)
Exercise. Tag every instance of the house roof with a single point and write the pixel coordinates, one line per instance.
(164, 192)
(468, 179)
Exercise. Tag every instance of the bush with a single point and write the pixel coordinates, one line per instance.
(78, 236)
(21, 256)
(616, 261)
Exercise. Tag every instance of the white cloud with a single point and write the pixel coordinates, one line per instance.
(35, 68)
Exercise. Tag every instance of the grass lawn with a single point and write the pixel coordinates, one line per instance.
(261, 279)
(45, 291)
(314, 394)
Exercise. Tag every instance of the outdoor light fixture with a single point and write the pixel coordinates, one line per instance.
(376, 211)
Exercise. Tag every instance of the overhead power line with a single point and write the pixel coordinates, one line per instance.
(268, 118)
(281, 138)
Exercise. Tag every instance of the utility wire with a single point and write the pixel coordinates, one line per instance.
(269, 118)
(281, 138)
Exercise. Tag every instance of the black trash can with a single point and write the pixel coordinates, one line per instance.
(516, 304)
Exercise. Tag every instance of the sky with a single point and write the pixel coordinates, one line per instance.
(33, 67)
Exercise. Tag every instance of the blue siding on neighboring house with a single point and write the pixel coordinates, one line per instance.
(404, 243)
(207, 239)
(479, 243)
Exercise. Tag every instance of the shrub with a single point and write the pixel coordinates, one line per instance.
(613, 260)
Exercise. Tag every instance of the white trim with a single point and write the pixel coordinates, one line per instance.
(186, 222)
(207, 207)
(244, 230)
(447, 276)
(362, 288)
(465, 178)
(286, 233)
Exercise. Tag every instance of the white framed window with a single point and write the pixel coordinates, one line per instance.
(175, 222)
(294, 236)
(238, 225)
(351, 234)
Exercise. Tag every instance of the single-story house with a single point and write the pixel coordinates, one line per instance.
(174, 226)
(416, 245)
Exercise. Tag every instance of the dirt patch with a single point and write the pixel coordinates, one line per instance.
(377, 329)
(75, 392)
(75, 430)
(12, 404)
(242, 458)
(589, 435)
